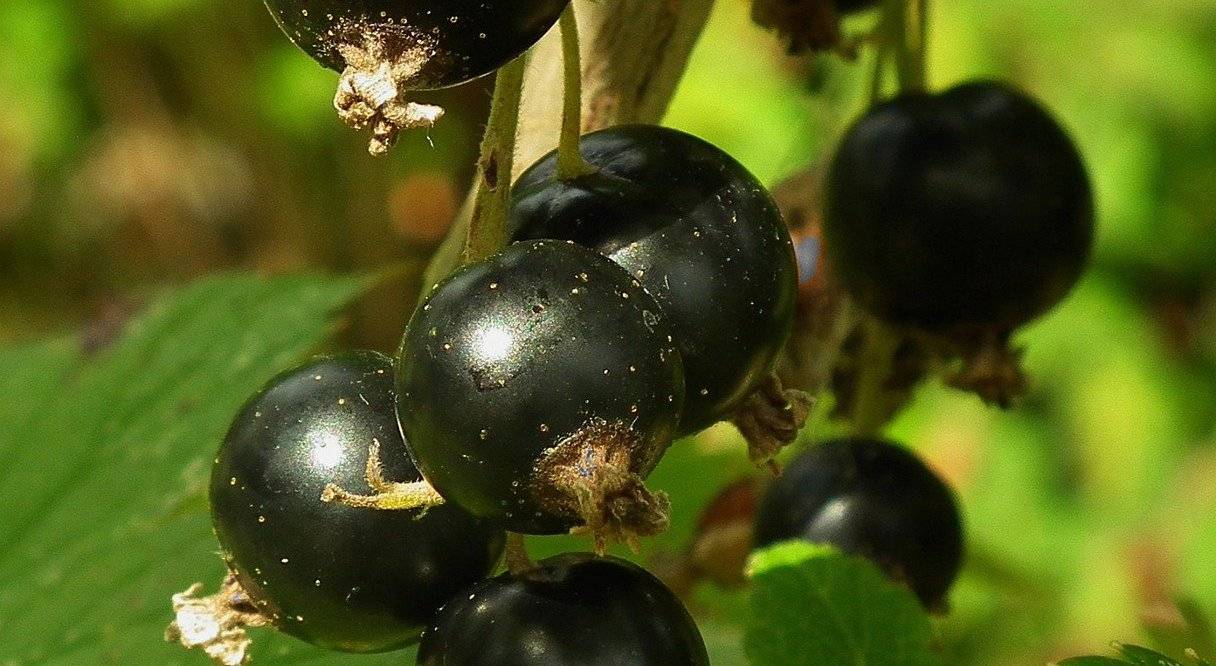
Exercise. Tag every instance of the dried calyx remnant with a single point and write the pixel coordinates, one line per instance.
(593, 475)
(805, 25)
(991, 367)
(386, 495)
(378, 71)
(216, 624)
(383, 48)
(770, 418)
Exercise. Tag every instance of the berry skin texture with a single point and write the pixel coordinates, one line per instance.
(538, 388)
(873, 499)
(700, 233)
(337, 577)
(572, 609)
(969, 210)
(461, 39)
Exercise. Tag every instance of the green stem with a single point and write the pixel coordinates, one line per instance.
(570, 163)
(876, 76)
(911, 26)
(922, 51)
(870, 407)
(488, 226)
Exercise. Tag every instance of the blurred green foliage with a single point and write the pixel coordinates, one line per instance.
(154, 142)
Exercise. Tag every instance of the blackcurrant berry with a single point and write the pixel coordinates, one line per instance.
(455, 40)
(874, 499)
(539, 387)
(384, 47)
(338, 577)
(571, 609)
(699, 231)
(967, 210)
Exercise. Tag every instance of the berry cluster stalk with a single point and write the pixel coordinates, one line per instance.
(903, 30)
(636, 53)
(487, 233)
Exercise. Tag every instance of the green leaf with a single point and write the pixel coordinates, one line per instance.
(1141, 656)
(813, 605)
(106, 462)
(1133, 655)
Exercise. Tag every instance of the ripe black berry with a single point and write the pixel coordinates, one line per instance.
(460, 39)
(968, 210)
(539, 387)
(338, 577)
(386, 46)
(699, 231)
(570, 609)
(874, 499)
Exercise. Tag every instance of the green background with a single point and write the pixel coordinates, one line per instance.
(147, 144)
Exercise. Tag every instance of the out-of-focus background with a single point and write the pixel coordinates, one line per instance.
(148, 143)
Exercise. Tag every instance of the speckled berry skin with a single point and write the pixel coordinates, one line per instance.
(342, 578)
(699, 231)
(969, 209)
(509, 357)
(463, 39)
(874, 499)
(572, 610)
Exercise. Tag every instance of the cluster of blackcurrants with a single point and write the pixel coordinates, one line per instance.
(362, 501)
(535, 390)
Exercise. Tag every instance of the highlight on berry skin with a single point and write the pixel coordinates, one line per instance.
(875, 499)
(705, 238)
(335, 576)
(561, 389)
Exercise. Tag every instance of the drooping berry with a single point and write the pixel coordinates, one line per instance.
(538, 388)
(568, 610)
(698, 231)
(386, 47)
(969, 210)
(339, 577)
(874, 499)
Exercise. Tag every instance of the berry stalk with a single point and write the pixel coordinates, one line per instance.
(880, 343)
(570, 162)
(913, 32)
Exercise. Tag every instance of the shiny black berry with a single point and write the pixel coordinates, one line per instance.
(342, 578)
(969, 209)
(874, 499)
(452, 41)
(569, 610)
(699, 231)
(539, 387)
